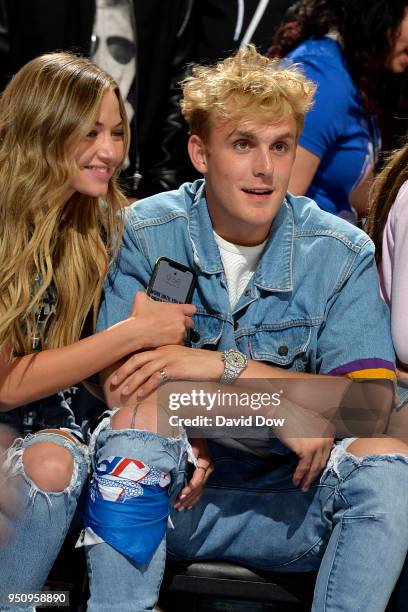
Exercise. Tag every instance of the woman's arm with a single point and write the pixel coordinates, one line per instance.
(34, 376)
(303, 171)
(358, 198)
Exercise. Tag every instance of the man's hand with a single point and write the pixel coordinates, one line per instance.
(313, 454)
(192, 492)
(310, 435)
(140, 374)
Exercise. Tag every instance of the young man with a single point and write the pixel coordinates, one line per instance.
(283, 289)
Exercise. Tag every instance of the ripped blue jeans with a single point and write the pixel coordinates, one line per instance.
(352, 524)
(43, 522)
(252, 514)
(137, 475)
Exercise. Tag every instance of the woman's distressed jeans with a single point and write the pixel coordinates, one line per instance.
(42, 524)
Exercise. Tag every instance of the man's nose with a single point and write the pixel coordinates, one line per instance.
(263, 164)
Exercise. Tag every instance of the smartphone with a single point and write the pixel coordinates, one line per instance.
(171, 281)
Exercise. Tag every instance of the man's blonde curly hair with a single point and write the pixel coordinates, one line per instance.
(246, 85)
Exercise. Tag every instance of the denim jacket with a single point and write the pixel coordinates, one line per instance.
(312, 305)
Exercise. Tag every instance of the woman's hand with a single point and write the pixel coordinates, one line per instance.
(192, 492)
(161, 323)
(141, 373)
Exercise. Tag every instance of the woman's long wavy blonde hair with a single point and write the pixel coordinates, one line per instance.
(46, 109)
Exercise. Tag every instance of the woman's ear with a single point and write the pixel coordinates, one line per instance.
(198, 153)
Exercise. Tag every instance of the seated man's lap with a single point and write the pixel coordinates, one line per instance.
(252, 513)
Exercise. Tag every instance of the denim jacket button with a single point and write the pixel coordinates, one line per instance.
(283, 350)
(195, 336)
(247, 292)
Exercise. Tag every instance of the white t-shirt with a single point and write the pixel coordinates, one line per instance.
(239, 263)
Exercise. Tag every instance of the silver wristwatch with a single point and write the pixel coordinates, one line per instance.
(234, 363)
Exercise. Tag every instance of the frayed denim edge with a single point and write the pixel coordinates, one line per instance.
(143, 433)
(14, 465)
(340, 453)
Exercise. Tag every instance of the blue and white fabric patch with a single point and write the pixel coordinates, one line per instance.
(128, 506)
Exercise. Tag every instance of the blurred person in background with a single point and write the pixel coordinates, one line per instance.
(387, 225)
(222, 27)
(357, 53)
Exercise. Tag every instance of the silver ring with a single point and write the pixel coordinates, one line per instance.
(164, 376)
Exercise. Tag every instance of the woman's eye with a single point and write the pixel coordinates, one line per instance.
(92, 134)
(119, 134)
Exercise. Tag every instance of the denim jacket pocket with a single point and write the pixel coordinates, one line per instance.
(286, 346)
(207, 330)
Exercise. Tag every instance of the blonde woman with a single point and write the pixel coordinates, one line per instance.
(63, 138)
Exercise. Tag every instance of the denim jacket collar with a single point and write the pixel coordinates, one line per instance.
(274, 272)
(206, 254)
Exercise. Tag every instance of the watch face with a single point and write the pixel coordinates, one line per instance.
(237, 359)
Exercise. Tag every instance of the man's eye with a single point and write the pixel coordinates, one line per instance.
(280, 147)
(241, 145)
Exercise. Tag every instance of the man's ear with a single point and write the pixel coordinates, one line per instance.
(198, 153)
